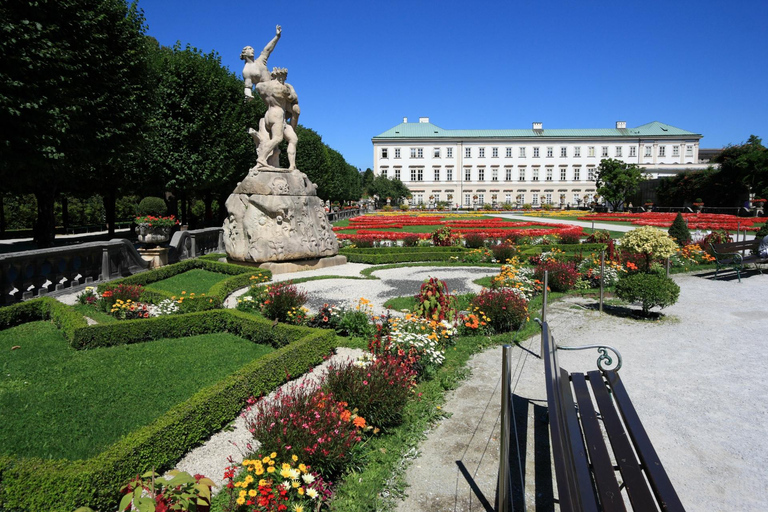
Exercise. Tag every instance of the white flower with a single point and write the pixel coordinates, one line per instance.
(308, 479)
(311, 492)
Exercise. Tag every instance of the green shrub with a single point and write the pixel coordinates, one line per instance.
(151, 206)
(378, 388)
(679, 231)
(601, 236)
(444, 237)
(763, 231)
(506, 308)
(474, 240)
(650, 242)
(650, 290)
(410, 240)
(569, 238)
(562, 276)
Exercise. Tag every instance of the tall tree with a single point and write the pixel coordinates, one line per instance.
(746, 166)
(198, 141)
(366, 180)
(70, 95)
(617, 180)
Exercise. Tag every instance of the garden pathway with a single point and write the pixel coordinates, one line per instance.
(685, 374)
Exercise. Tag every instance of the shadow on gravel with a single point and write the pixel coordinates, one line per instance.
(542, 485)
(729, 275)
(625, 312)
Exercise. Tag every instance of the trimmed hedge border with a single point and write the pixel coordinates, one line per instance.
(379, 255)
(61, 485)
(214, 298)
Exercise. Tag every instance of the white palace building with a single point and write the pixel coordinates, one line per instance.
(536, 166)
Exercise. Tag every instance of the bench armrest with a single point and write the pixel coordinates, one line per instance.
(604, 360)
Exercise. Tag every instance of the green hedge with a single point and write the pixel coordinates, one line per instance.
(35, 484)
(214, 298)
(44, 308)
(380, 255)
(585, 249)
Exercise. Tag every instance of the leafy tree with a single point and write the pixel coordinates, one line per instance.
(71, 101)
(385, 187)
(617, 180)
(366, 181)
(746, 166)
(198, 142)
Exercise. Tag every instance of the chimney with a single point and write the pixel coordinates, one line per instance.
(538, 126)
(621, 125)
(405, 120)
(423, 119)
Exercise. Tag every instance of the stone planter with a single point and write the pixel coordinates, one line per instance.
(153, 234)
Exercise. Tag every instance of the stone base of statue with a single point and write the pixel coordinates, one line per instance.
(156, 256)
(287, 267)
(275, 215)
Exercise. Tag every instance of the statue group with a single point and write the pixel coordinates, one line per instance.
(274, 214)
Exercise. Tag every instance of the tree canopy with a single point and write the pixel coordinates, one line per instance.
(72, 98)
(746, 166)
(617, 180)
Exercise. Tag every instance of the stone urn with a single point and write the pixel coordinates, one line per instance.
(153, 234)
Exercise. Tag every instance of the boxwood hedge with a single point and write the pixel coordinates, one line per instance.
(61, 485)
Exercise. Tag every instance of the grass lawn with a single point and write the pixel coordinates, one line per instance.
(58, 402)
(197, 281)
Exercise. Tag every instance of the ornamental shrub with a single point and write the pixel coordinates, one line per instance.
(309, 423)
(444, 237)
(562, 275)
(152, 206)
(719, 236)
(363, 241)
(679, 231)
(378, 387)
(474, 240)
(600, 236)
(650, 290)
(435, 302)
(569, 237)
(506, 308)
(504, 251)
(650, 242)
(277, 300)
(410, 240)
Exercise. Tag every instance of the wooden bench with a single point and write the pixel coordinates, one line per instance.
(736, 255)
(586, 462)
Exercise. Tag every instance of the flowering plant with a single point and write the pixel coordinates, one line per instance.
(151, 492)
(589, 268)
(504, 309)
(434, 301)
(89, 296)
(309, 423)
(155, 221)
(270, 485)
(515, 276)
(129, 310)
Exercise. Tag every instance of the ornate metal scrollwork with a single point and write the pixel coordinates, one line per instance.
(604, 360)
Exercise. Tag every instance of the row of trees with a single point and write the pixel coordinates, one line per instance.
(743, 171)
(91, 105)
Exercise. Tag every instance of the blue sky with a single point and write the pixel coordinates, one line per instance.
(359, 67)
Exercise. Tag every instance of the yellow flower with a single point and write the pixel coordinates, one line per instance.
(271, 469)
(240, 500)
(295, 458)
(243, 493)
(252, 493)
(298, 508)
(273, 455)
(300, 491)
(248, 480)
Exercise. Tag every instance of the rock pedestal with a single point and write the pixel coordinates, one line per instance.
(275, 215)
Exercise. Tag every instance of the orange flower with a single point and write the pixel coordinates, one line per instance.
(346, 416)
(359, 422)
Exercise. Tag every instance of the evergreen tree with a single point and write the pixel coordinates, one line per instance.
(679, 231)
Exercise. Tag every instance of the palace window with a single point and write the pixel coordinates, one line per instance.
(648, 150)
(437, 174)
(468, 174)
(508, 174)
(563, 152)
(383, 152)
(522, 152)
(550, 150)
(397, 152)
(576, 174)
(436, 152)
(481, 152)
(675, 150)
(618, 151)
(632, 151)
(577, 151)
(494, 152)
(590, 150)
(662, 150)
(535, 175)
(509, 153)
(535, 152)
(397, 174)
(449, 152)
(481, 174)
(467, 152)
(449, 174)
(563, 173)
(605, 152)
(521, 175)
(494, 175)
(549, 174)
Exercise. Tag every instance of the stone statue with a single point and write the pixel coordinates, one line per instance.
(280, 121)
(274, 214)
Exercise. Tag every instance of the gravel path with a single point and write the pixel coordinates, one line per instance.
(686, 376)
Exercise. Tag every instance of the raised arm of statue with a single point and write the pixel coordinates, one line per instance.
(267, 51)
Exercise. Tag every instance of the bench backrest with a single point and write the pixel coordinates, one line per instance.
(731, 247)
(574, 481)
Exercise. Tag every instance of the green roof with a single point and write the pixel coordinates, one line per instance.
(431, 131)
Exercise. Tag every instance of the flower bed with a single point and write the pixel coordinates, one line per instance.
(96, 481)
(708, 221)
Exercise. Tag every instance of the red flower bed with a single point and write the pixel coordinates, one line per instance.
(709, 221)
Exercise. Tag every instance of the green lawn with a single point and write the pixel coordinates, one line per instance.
(58, 402)
(197, 281)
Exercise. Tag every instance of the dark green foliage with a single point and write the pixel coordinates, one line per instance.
(380, 255)
(651, 290)
(435, 302)
(474, 240)
(763, 231)
(746, 167)
(73, 97)
(616, 181)
(504, 251)
(385, 187)
(65, 485)
(679, 231)
(152, 206)
(506, 309)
